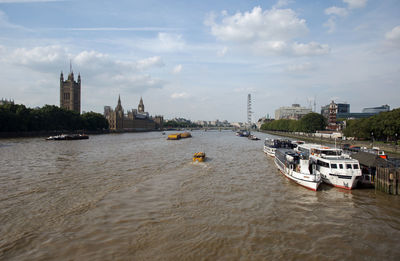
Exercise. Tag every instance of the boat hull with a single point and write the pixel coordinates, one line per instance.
(340, 181)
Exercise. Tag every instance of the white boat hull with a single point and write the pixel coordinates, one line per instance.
(340, 181)
(306, 180)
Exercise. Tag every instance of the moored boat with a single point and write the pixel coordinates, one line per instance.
(270, 145)
(243, 133)
(253, 137)
(69, 137)
(298, 168)
(335, 168)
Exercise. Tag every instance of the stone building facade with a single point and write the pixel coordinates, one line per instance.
(70, 92)
(134, 120)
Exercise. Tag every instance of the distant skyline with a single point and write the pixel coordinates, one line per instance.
(199, 59)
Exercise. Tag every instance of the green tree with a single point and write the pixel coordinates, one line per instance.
(312, 122)
(14, 117)
(94, 121)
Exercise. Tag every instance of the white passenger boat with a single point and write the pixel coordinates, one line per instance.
(298, 168)
(335, 168)
(270, 145)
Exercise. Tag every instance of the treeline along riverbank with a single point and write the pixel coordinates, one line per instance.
(16, 120)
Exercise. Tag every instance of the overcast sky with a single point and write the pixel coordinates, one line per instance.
(200, 59)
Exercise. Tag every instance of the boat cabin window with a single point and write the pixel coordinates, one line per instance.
(355, 166)
(340, 166)
(332, 152)
(334, 166)
(322, 163)
(348, 166)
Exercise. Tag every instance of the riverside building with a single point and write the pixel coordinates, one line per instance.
(70, 92)
(295, 112)
(134, 120)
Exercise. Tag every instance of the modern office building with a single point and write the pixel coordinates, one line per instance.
(343, 111)
(295, 112)
(376, 110)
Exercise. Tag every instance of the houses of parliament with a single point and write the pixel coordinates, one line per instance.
(134, 120)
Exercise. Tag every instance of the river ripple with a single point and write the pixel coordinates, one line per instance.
(137, 196)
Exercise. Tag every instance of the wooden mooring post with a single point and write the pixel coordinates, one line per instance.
(387, 180)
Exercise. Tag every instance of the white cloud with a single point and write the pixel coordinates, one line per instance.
(147, 63)
(309, 49)
(331, 24)
(355, 3)
(282, 3)
(180, 95)
(333, 10)
(300, 67)
(271, 47)
(97, 69)
(170, 42)
(4, 23)
(274, 24)
(177, 69)
(393, 36)
(264, 32)
(222, 52)
(41, 59)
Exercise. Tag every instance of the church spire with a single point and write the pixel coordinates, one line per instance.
(119, 106)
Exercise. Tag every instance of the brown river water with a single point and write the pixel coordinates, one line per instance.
(138, 196)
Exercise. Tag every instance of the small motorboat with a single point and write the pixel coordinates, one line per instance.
(69, 137)
(175, 136)
(253, 137)
(199, 156)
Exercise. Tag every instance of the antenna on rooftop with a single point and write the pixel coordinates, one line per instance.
(70, 65)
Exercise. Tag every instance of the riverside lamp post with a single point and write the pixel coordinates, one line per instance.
(372, 138)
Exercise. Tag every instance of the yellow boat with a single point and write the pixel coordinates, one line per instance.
(186, 135)
(175, 136)
(199, 156)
